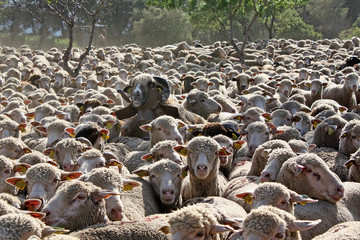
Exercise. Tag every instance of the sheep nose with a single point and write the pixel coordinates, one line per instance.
(202, 167)
(252, 149)
(265, 177)
(167, 192)
(68, 167)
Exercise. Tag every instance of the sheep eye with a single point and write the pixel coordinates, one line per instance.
(159, 129)
(279, 235)
(56, 180)
(152, 176)
(161, 155)
(202, 100)
(284, 203)
(200, 234)
(353, 137)
(7, 171)
(316, 175)
(81, 197)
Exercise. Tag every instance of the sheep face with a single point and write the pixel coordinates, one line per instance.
(166, 178)
(351, 82)
(256, 135)
(200, 103)
(281, 117)
(87, 163)
(66, 152)
(77, 205)
(14, 152)
(18, 115)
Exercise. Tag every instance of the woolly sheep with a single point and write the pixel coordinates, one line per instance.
(269, 222)
(165, 177)
(197, 221)
(164, 149)
(200, 103)
(22, 226)
(299, 146)
(110, 179)
(348, 230)
(77, 205)
(202, 156)
(41, 181)
(11, 199)
(343, 94)
(8, 168)
(13, 148)
(308, 174)
(350, 138)
(10, 128)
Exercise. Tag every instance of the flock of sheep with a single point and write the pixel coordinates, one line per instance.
(182, 142)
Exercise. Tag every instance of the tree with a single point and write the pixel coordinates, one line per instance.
(226, 12)
(69, 11)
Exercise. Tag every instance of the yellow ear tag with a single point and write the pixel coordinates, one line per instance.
(165, 229)
(190, 129)
(104, 136)
(315, 124)
(303, 203)
(23, 169)
(68, 178)
(27, 150)
(22, 129)
(82, 109)
(118, 126)
(349, 164)
(109, 125)
(237, 146)
(234, 137)
(183, 174)
(127, 187)
(60, 230)
(141, 174)
(149, 158)
(249, 198)
(330, 131)
(72, 135)
(20, 184)
(52, 154)
(183, 152)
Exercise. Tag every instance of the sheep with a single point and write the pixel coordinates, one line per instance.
(349, 138)
(10, 128)
(163, 149)
(11, 199)
(242, 82)
(327, 133)
(226, 104)
(274, 194)
(261, 153)
(287, 133)
(36, 157)
(200, 220)
(110, 179)
(343, 94)
(280, 117)
(353, 165)
(166, 181)
(122, 231)
(18, 115)
(90, 160)
(202, 84)
(66, 151)
(13, 148)
(8, 168)
(200, 103)
(308, 174)
(256, 134)
(275, 160)
(348, 230)
(22, 226)
(299, 146)
(77, 205)
(302, 122)
(202, 158)
(253, 100)
(41, 181)
(268, 222)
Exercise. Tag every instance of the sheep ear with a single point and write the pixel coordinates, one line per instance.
(246, 196)
(330, 129)
(38, 215)
(349, 163)
(109, 124)
(21, 167)
(104, 134)
(343, 109)
(22, 127)
(47, 231)
(211, 84)
(181, 124)
(30, 114)
(104, 194)
(296, 119)
(267, 116)
(181, 150)
(70, 131)
(237, 144)
(315, 122)
(302, 199)
(34, 124)
(55, 164)
(116, 163)
(70, 175)
(301, 225)
(27, 150)
(32, 204)
(142, 172)
(224, 152)
(165, 229)
(146, 127)
(148, 157)
(272, 127)
(184, 170)
(297, 168)
(49, 152)
(312, 146)
(305, 109)
(217, 228)
(128, 185)
(18, 182)
(194, 84)
(41, 130)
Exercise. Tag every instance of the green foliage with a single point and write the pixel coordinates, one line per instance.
(161, 27)
(327, 16)
(353, 31)
(290, 25)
